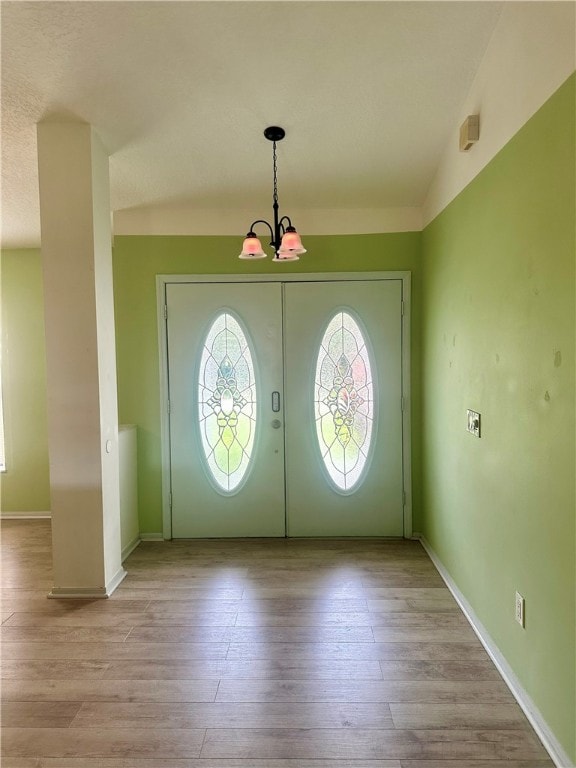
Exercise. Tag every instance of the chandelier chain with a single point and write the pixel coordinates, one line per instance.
(275, 198)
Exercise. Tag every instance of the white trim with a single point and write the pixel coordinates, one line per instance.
(406, 400)
(88, 593)
(151, 537)
(533, 714)
(292, 277)
(25, 515)
(130, 547)
(161, 303)
(163, 280)
(116, 580)
(183, 219)
(78, 593)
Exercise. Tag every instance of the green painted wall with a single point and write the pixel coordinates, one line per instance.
(25, 486)
(498, 336)
(137, 261)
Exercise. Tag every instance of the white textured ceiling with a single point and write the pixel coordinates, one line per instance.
(180, 93)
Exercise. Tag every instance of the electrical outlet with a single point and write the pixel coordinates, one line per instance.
(473, 423)
(519, 609)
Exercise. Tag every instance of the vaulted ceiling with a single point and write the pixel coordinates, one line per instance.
(180, 93)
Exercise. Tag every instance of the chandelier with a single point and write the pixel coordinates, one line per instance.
(284, 239)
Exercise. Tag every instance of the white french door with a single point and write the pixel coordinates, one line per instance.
(226, 442)
(285, 408)
(343, 380)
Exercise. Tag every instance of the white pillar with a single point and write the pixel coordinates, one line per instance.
(81, 360)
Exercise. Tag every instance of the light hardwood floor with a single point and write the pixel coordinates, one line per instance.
(250, 654)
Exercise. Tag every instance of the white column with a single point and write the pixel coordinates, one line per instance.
(81, 360)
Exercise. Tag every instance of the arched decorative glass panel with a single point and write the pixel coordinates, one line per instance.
(344, 401)
(227, 402)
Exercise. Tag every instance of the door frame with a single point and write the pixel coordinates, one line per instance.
(301, 277)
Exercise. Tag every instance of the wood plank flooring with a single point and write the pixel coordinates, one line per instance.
(250, 654)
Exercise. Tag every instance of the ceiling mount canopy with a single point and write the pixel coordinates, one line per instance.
(284, 239)
(274, 133)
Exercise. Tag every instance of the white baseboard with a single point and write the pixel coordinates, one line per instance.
(78, 593)
(130, 547)
(89, 593)
(541, 727)
(117, 579)
(25, 515)
(151, 537)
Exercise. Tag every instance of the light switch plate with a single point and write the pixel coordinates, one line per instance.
(474, 423)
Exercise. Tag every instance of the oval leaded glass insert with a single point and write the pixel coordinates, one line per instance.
(344, 401)
(227, 402)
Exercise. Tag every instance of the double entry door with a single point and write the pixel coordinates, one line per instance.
(285, 408)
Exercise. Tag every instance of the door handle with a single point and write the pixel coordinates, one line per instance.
(276, 424)
(275, 402)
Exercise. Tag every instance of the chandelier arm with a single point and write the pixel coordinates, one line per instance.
(281, 223)
(263, 221)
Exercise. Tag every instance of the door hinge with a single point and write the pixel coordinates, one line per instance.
(170, 500)
(402, 308)
(402, 403)
(403, 498)
(168, 406)
(165, 312)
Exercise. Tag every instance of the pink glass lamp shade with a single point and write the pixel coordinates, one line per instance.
(291, 246)
(252, 248)
(291, 242)
(285, 257)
